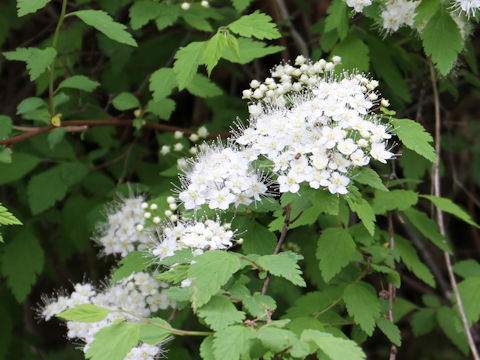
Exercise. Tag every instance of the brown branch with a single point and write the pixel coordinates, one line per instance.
(281, 239)
(391, 287)
(110, 122)
(441, 224)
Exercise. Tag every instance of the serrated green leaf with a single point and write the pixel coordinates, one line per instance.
(79, 82)
(142, 12)
(256, 24)
(45, 189)
(391, 331)
(135, 261)
(197, 20)
(114, 342)
(21, 165)
(188, 58)
(203, 87)
(209, 273)
(410, 258)
(256, 238)
(182, 256)
(22, 274)
(414, 137)
(168, 15)
(283, 265)
(175, 275)
(232, 43)
(7, 218)
(451, 325)
(314, 302)
(370, 177)
(241, 5)
(334, 251)
(394, 199)
(467, 268)
(104, 23)
(470, 295)
(423, 321)
(257, 304)
(84, 313)
(5, 126)
(181, 294)
(442, 40)
(425, 10)
(162, 108)
(232, 342)
(428, 228)
(365, 213)
(5, 155)
(335, 348)
(354, 53)
(25, 7)
(38, 60)
(325, 201)
(206, 348)
(162, 82)
(450, 207)
(250, 49)
(276, 339)
(29, 104)
(337, 18)
(213, 50)
(125, 101)
(220, 313)
(362, 304)
(153, 334)
(55, 136)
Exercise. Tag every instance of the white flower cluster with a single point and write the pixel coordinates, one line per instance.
(322, 135)
(220, 176)
(287, 79)
(139, 294)
(469, 7)
(123, 231)
(398, 13)
(200, 236)
(358, 5)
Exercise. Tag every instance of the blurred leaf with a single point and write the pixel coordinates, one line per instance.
(38, 60)
(30, 6)
(79, 82)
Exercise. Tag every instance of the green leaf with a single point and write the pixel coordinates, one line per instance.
(168, 15)
(394, 199)
(470, 295)
(450, 207)
(256, 24)
(249, 49)
(38, 60)
(203, 87)
(220, 313)
(162, 108)
(315, 302)
(335, 348)
(142, 12)
(423, 321)
(152, 334)
(84, 313)
(442, 40)
(79, 82)
(29, 104)
(104, 23)
(135, 261)
(337, 18)
(125, 101)
(276, 339)
(206, 348)
(25, 7)
(410, 258)
(7, 218)
(232, 342)
(365, 213)
(354, 53)
(22, 260)
(5, 126)
(427, 227)
(197, 20)
(56, 136)
(241, 5)
(334, 251)
(5, 155)
(369, 177)
(451, 325)
(175, 275)
(45, 189)
(414, 137)
(188, 58)
(183, 256)
(362, 304)
(232, 43)
(162, 82)
(114, 342)
(283, 265)
(213, 50)
(256, 238)
(391, 331)
(21, 165)
(257, 304)
(209, 273)
(467, 268)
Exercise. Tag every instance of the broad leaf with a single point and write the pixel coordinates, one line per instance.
(414, 137)
(283, 265)
(25, 7)
(362, 304)
(369, 177)
(450, 207)
(135, 261)
(84, 313)
(256, 24)
(38, 60)
(248, 50)
(220, 313)
(391, 331)
(232, 342)
(79, 82)
(162, 82)
(114, 342)
(410, 258)
(335, 348)
(394, 199)
(125, 101)
(7, 218)
(470, 294)
(153, 334)
(202, 86)
(188, 58)
(213, 50)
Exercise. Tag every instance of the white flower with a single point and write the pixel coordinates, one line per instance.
(379, 153)
(202, 132)
(178, 147)
(165, 150)
(185, 6)
(288, 184)
(338, 183)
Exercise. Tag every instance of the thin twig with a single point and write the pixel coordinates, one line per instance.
(297, 38)
(281, 239)
(436, 177)
(391, 287)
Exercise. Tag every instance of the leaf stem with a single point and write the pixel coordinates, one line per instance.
(441, 224)
(52, 66)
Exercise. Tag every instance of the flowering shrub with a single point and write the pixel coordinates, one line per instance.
(299, 218)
